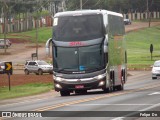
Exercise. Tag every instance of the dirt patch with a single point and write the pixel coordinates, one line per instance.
(19, 40)
(20, 79)
(135, 26)
(34, 46)
(7, 53)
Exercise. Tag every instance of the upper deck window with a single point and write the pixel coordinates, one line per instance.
(78, 28)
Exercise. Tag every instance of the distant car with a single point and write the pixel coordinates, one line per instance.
(127, 22)
(2, 67)
(2, 43)
(156, 70)
(37, 66)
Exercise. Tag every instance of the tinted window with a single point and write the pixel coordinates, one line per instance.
(66, 58)
(78, 59)
(78, 28)
(33, 63)
(91, 57)
(30, 63)
(116, 25)
(157, 64)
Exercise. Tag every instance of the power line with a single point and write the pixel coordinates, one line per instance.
(85, 3)
(96, 3)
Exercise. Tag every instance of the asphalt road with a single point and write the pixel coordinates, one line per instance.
(141, 93)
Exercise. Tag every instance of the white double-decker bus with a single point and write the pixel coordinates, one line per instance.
(88, 51)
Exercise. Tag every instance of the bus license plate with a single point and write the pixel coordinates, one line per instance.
(79, 86)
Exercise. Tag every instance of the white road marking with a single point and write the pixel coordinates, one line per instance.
(112, 104)
(155, 93)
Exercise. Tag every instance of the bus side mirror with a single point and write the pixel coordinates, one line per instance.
(48, 46)
(105, 47)
(106, 29)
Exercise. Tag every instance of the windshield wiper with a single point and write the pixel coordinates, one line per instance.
(63, 69)
(93, 69)
(59, 70)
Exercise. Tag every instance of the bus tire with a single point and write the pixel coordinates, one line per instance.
(120, 87)
(111, 83)
(123, 73)
(109, 89)
(64, 93)
(106, 90)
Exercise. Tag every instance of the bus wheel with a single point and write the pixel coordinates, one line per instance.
(110, 88)
(123, 76)
(64, 93)
(107, 90)
(120, 87)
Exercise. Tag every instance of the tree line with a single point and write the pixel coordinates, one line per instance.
(21, 8)
(15, 7)
(122, 6)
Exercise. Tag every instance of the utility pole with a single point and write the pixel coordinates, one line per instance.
(147, 10)
(37, 37)
(5, 27)
(148, 15)
(63, 5)
(81, 4)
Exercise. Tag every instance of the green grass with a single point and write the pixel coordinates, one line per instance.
(24, 90)
(147, 20)
(44, 34)
(138, 46)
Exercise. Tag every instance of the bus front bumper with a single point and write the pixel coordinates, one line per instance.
(80, 85)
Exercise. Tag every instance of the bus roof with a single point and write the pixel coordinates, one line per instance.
(86, 12)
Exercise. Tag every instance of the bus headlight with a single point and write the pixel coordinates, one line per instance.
(59, 79)
(99, 77)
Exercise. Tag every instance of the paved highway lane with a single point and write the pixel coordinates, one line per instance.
(141, 93)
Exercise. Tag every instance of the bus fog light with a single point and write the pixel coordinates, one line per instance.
(101, 83)
(58, 86)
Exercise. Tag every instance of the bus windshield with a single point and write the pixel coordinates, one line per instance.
(79, 59)
(78, 28)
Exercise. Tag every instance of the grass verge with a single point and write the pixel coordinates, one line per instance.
(44, 34)
(24, 90)
(138, 46)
